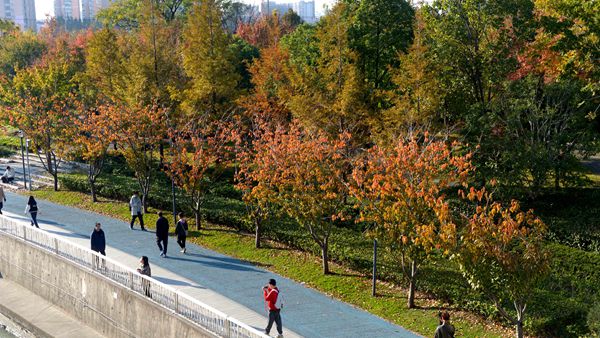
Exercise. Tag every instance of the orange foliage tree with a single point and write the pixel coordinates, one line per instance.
(92, 140)
(401, 190)
(502, 253)
(301, 172)
(198, 154)
(138, 130)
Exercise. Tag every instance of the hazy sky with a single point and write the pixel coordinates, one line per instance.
(43, 7)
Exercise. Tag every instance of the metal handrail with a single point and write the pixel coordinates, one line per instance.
(184, 305)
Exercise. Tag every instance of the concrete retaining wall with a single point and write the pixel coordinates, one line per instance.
(111, 309)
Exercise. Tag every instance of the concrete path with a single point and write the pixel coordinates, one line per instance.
(38, 316)
(226, 283)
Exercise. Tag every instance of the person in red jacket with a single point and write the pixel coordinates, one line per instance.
(271, 295)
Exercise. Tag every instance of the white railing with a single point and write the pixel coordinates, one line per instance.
(203, 315)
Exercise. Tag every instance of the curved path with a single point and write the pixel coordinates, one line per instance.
(226, 283)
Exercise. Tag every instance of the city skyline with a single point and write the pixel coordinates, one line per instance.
(46, 7)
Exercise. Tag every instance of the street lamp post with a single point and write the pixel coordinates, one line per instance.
(28, 166)
(21, 135)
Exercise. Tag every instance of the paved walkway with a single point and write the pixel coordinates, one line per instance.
(228, 284)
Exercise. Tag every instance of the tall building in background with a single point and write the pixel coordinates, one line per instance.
(90, 8)
(67, 9)
(21, 12)
(305, 9)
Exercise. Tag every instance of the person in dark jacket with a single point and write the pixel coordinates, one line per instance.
(97, 240)
(181, 230)
(33, 211)
(162, 234)
(445, 329)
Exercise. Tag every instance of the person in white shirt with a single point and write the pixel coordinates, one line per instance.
(135, 205)
(9, 175)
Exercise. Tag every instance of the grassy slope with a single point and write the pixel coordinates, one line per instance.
(345, 285)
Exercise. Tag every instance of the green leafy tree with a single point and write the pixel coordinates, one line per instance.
(208, 61)
(380, 30)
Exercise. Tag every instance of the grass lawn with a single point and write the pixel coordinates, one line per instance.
(343, 284)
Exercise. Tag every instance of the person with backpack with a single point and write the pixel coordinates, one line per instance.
(32, 208)
(181, 230)
(136, 208)
(162, 234)
(445, 329)
(273, 303)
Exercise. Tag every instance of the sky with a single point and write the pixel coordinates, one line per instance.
(43, 7)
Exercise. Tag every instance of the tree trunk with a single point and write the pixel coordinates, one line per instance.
(93, 191)
(258, 231)
(198, 224)
(55, 175)
(161, 154)
(519, 329)
(325, 257)
(411, 285)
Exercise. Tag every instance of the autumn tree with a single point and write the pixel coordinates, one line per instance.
(139, 130)
(197, 158)
(305, 170)
(502, 254)
(91, 140)
(402, 190)
(41, 99)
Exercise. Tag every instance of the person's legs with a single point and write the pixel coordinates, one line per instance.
(1, 206)
(165, 244)
(10, 179)
(278, 322)
(132, 221)
(141, 217)
(158, 240)
(4, 179)
(271, 321)
(34, 219)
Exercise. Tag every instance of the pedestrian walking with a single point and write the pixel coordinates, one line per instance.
(98, 244)
(181, 230)
(32, 208)
(144, 269)
(97, 240)
(2, 199)
(273, 304)
(162, 234)
(137, 210)
(445, 329)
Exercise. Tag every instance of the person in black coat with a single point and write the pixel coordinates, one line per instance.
(181, 231)
(162, 234)
(97, 240)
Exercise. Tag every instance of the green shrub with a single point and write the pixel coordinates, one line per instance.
(593, 320)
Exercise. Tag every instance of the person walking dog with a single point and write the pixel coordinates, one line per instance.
(32, 208)
(162, 234)
(273, 303)
(137, 210)
(181, 230)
